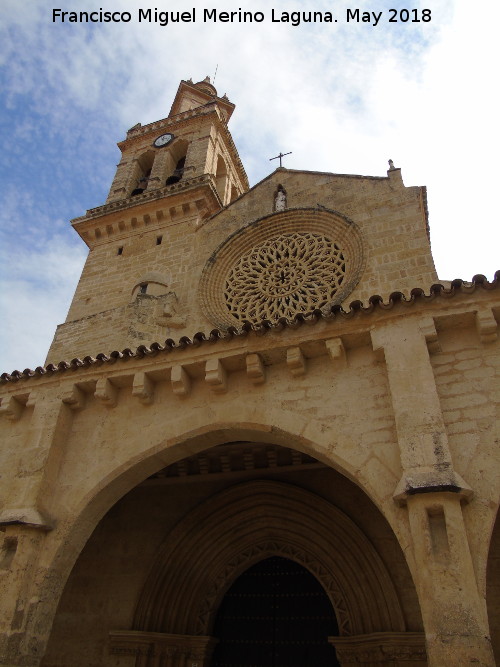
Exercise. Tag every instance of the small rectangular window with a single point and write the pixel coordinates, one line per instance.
(120, 250)
(159, 240)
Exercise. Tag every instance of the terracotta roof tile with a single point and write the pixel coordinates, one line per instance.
(374, 302)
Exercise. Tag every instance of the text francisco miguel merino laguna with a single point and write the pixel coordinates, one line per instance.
(163, 18)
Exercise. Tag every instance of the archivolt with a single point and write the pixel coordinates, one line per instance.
(246, 523)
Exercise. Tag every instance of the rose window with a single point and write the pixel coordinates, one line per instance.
(290, 274)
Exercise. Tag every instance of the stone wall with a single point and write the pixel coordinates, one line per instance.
(393, 242)
(389, 398)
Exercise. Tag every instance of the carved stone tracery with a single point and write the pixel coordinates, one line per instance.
(286, 275)
(294, 261)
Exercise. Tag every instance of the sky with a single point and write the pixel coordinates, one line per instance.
(344, 97)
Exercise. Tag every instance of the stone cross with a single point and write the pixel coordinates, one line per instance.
(281, 155)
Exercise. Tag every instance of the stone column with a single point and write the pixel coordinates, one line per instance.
(453, 612)
(163, 166)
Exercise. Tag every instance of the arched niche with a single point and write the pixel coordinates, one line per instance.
(279, 199)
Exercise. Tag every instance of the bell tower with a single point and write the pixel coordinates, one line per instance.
(192, 141)
(173, 174)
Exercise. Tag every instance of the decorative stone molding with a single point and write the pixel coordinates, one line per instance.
(431, 479)
(224, 536)
(380, 649)
(294, 261)
(94, 228)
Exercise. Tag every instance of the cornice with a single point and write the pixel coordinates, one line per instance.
(148, 195)
(178, 119)
(394, 306)
(95, 225)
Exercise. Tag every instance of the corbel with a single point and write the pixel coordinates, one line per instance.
(255, 369)
(216, 376)
(143, 388)
(296, 361)
(106, 392)
(74, 398)
(486, 325)
(12, 408)
(180, 380)
(336, 350)
(378, 345)
(428, 329)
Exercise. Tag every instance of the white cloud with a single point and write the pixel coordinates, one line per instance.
(36, 295)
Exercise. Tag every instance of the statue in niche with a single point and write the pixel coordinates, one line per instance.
(280, 199)
(170, 316)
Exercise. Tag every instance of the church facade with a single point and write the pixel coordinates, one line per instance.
(266, 434)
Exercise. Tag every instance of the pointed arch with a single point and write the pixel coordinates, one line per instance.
(246, 523)
(69, 537)
(279, 612)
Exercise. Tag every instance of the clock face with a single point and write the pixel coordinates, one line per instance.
(163, 140)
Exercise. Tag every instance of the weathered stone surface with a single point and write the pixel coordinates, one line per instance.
(136, 487)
